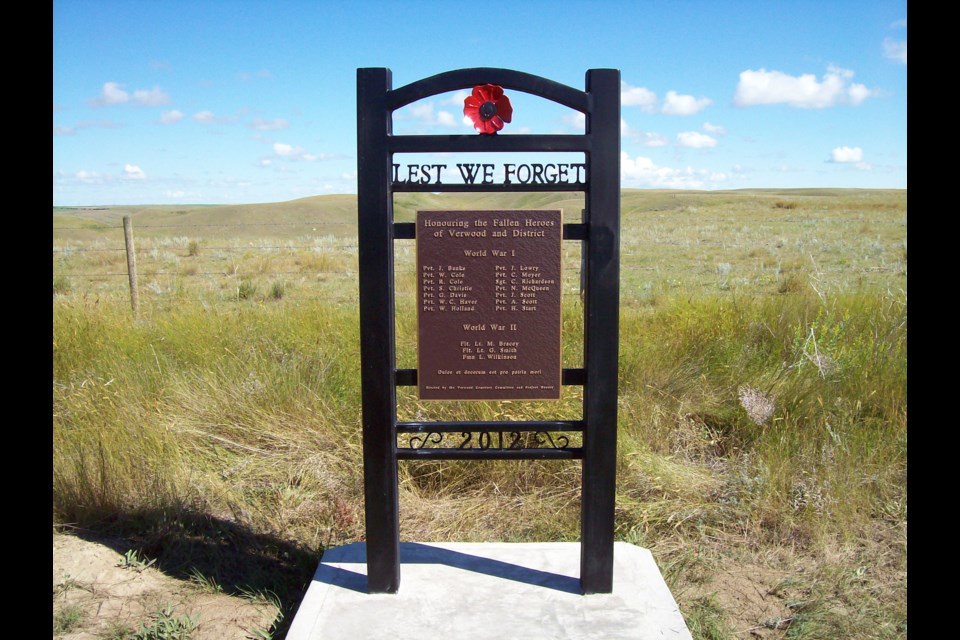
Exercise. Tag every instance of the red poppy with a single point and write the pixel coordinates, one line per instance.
(488, 108)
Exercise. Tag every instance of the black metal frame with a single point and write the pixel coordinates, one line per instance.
(600, 233)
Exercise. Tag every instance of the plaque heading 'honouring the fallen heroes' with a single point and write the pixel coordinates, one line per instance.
(488, 304)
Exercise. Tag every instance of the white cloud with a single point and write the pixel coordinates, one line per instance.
(858, 93)
(641, 137)
(264, 162)
(269, 125)
(150, 97)
(457, 98)
(59, 130)
(208, 117)
(676, 104)
(895, 50)
(285, 150)
(804, 92)
(714, 128)
(89, 177)
(446, 119)
(643, 172)
(637, 97)
(170, 117)
(133, 172)
(653, 140)
(578, 121)
(181, 194)
(112, 93)
(695, 140)
(423, 113)
(291, 152)
(846, 154)
(422, 110)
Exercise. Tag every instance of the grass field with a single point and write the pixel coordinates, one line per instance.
(762, 399)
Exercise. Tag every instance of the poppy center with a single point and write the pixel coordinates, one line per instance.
(488, 110)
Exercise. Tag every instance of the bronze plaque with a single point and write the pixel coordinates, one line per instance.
(488, 296)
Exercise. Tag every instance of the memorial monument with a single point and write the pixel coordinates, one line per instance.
(489, 328)
(488, 295)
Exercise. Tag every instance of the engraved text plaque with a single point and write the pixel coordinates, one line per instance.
(488, 304)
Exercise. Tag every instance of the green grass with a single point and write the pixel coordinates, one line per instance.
(135, 561)
(116, 631)
(706, 620)
(67, 619)
(65, 586)
(207, 584)
(222, 430)
(164, 625)
(61, 284)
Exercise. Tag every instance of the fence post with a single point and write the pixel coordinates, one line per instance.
(131, 264)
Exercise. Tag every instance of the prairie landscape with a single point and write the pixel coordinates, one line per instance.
(762, 442)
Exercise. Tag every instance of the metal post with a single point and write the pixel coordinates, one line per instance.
(131, 264)
(601, 329)
(377, 343)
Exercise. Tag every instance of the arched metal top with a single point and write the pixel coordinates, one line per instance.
(506, 78)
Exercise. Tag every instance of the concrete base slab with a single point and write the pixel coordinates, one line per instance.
(488, 591)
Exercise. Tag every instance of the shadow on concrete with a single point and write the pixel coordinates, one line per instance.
(417, 553)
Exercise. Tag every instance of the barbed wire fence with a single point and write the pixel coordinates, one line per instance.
(342, 247)
(335, 251)
(158, 260)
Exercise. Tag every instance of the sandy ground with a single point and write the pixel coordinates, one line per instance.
(105, 600)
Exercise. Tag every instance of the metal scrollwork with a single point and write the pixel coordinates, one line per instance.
(485, 440)
(416, 442)
(544, 437)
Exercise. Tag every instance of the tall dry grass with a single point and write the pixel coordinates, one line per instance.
(762, 407)
(245, 408)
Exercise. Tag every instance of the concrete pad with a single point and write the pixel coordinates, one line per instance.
(488, 591)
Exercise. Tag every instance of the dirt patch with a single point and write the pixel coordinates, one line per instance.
(99, 594)
(752, 597)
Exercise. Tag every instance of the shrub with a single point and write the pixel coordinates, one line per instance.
(793, 283)
(246, 290)
(61, 284)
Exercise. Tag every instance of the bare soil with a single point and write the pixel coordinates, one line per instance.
(97, 596)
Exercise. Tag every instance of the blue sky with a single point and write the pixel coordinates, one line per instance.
(228, 101)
